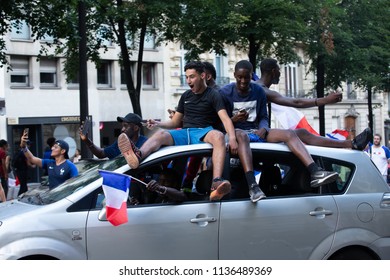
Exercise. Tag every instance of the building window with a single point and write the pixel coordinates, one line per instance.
(103, 34)
(104, 74)
(20, 71)
(149, 41)
(290, 77)
(48, 72)
(20, 30)
(132, 68)
(148, 75)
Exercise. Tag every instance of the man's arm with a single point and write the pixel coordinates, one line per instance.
(175, 122)
(30, 157)
(97, 151)
(277, 98)
(229, 127)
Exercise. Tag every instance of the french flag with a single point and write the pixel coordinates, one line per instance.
(116, 190)
(291, 118)
(338, 134)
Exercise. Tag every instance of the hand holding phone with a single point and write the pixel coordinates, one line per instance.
(86, 125)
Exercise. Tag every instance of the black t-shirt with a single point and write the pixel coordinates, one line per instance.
(201, 110)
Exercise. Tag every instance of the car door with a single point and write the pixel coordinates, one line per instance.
(299, 227)
(183, 231)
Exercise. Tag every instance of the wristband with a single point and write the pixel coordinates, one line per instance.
(25, 149)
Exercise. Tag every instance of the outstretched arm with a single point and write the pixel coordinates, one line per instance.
(277, 98)
(30, 157)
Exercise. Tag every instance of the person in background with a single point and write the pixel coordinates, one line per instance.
(77, 156)
(380, 155)
(59, 169)
(47, 153)
(50, 142)
(131, 126)
(3, 165)
(21, 165)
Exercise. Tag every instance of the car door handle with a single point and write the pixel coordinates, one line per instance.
(203, 219)
(322, 212)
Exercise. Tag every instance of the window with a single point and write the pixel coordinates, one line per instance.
(103, 35)
(149, 41)
(123, 80)
(104, 74)
(48, 72)
(20, 30)
(148, 75)
(291, 80)
(20, 71)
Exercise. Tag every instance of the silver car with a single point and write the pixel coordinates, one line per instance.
(348, 219)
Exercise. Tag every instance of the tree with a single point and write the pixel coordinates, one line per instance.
(126, 23)
(260, 27)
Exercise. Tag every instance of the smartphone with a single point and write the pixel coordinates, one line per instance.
(26, 131)
(87, 125)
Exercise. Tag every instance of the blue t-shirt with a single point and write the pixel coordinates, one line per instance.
(254, 102)
(113, 150)
(59, 173)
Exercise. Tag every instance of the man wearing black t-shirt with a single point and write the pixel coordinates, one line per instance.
(201, 112)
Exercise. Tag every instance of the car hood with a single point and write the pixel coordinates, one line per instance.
(15, 207)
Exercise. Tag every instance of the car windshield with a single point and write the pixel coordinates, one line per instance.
(74, 184)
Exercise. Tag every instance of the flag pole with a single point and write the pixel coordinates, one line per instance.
(138, 180)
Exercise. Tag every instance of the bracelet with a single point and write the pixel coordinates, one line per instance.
(25, 149)
(315, 102)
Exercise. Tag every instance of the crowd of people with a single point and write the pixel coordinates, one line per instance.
(228, 117)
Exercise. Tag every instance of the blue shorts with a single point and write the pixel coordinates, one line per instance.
(187, 136)
(255, 138)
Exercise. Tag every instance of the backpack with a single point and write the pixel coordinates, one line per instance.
(19, 160)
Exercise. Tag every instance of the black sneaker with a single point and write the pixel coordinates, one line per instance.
(322, 177)
(256, 193)
(360, 141)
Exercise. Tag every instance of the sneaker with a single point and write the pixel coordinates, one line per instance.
(219, 189)
(256, 193)
(131, 153)
(360, 141)
(322, 177)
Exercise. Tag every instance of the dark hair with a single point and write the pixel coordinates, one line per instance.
(50, 141)
(196, 65)
(211, 69)
(268, 64)
(244, 64)
(380, 136)
(3, 143)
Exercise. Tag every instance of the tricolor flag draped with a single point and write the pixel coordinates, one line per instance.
(116, 190)
(338, 134)
(291, 118)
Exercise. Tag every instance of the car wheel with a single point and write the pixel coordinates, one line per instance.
(353, 254)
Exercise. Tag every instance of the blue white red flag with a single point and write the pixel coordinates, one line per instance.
(116, 190)
(339, 134)
(291, 118)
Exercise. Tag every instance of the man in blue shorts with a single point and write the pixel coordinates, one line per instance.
(131, 125)
(201, 112)
(246, 104)
(59, 168)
